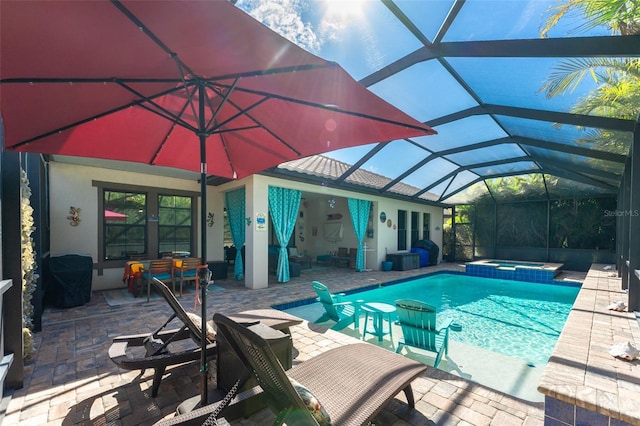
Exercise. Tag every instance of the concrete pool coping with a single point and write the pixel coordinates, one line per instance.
(581, 378)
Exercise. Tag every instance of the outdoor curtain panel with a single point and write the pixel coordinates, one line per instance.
(283, 207)
(235, 202)
(359, 211)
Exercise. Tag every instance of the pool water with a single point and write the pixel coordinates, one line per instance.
(514, 318)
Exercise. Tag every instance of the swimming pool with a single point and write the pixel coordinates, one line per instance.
(514, 318)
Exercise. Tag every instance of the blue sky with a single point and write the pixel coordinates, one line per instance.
(363, 36)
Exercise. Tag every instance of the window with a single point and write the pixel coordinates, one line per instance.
(137, 221)
(402, 229)
(125, 224)
(174, 224)
(414, 228)
(426, 226)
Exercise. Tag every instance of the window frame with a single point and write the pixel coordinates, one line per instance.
(105, 225)
(152, 194)
(175, 226)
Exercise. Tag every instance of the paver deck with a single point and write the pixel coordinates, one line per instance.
(582, 381)
(71, 380)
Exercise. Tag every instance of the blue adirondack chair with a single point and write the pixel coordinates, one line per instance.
(343, 313)
(419, 329)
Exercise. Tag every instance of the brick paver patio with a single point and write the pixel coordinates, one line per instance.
(71, 380)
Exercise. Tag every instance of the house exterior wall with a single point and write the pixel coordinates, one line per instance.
(71, 185)
(316, 211)
(388, 236)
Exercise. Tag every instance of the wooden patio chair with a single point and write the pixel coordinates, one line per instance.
(185, 270)
(161, 269)
(419, 329)
(353, 255)
(341, 258)
(343, 313)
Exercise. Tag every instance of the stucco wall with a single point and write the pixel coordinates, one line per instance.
(71, 185)
(317, 209)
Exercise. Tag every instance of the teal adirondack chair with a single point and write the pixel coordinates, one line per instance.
(343, 313)
(419, 329)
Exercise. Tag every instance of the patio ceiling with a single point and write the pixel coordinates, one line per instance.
(473, 71)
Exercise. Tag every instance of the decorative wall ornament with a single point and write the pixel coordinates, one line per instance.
(332, 203)
(74, 216)
(210, 220)
(248, 219)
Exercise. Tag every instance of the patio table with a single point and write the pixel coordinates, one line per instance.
(379, 313)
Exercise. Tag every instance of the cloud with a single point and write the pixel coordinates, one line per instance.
(284, 17)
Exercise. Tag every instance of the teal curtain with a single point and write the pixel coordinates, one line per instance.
(359, 211)
(235, 203)
(283, 208)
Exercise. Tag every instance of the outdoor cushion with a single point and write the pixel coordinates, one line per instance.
(197, 321)
(313, 404)
(162, 276)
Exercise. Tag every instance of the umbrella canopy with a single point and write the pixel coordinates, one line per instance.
(196, 85)
(111, 215)
(142, 82)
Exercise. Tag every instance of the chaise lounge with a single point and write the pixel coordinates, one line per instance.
(157, 349)
(351, 383)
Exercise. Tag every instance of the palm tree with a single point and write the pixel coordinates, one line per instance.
(617, 78)
(621, 16)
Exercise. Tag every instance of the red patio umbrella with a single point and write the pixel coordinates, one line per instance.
(196, 85)
(111, 215)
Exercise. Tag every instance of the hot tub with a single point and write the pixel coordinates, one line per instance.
(514, 270)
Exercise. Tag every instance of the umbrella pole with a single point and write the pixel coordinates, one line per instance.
(204, 398)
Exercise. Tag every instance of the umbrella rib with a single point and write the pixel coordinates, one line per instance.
(211, 80)
(168, 134)
(235, 129)
(245, 112)
(149, 34)
(189, 94)
(222, 103)
(99, 80)
(138, 102)
(183, 66)
(240, 113)
(161, 111)
(326, 107)
(272, 71)
(226, 152)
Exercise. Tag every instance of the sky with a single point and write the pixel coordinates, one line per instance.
(364, 36)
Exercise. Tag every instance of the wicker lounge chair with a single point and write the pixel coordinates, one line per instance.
(343, 313)
(353, 383)
(418, 322)
(156, 350)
